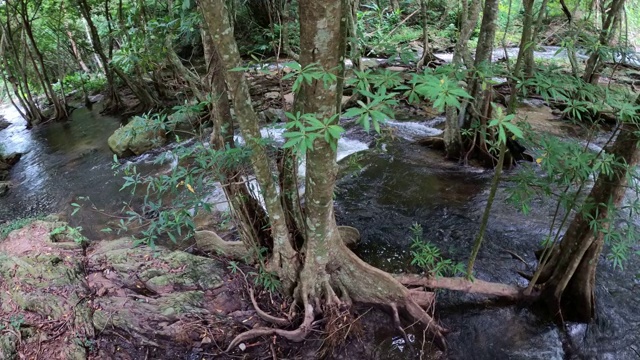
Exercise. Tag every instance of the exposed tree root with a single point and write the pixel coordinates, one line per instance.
(264, 316)
(397, 322)
(296, 335)
(210, 241)
(369, 285)
(330, 291)
(461, 284)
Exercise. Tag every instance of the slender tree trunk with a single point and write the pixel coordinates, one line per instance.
(480, 108)
(395, 5)
(76, 53)
(113, 100)
(14, 66)
(286, 44)
(452, 131)
(427, 56)
(60, 111)
(355, 53)
(607, 33)
(252, 220)
(217, 18)
(568, 279)
(529, 61)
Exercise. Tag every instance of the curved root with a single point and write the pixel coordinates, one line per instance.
(296, 335)
(210, 241)
(264, 316)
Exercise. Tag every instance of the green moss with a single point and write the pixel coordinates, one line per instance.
(182, 303)
(8, 227)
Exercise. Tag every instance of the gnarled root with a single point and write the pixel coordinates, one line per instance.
(330, 289)
(264, 316)
(369, 285)
(296, 335)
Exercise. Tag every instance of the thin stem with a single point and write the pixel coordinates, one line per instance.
(487, 210)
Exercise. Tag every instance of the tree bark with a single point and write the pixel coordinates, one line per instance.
(567, 282)
(17, 73)
(60, 111)
(76, 52)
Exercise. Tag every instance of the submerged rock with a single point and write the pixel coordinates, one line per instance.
(4, 187)
(139, 135)
(4, 123)
(6, 163)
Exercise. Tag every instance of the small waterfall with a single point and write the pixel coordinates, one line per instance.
(413, 131)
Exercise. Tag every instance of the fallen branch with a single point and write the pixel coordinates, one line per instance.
(462, 284)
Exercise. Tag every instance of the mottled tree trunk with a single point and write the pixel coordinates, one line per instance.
(284, 260)
(568, 279)
(323, 276)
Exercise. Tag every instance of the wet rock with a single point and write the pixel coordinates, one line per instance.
(288, 99)
(4, 123)
(6, 163)
(139, 135)
(11, 159)
(4, 186)
(272, 115)
(183, 120)
(273, 95)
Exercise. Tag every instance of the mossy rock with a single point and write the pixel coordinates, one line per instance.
(139, 135)
(161, 267)
(183, 121)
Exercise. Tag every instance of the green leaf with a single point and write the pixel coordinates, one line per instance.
(514, 129)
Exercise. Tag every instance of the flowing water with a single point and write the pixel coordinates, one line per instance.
(382, 193)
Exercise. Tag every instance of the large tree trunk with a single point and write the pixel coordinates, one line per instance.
(568, 279)
(323, 275)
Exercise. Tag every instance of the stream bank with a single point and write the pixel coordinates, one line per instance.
(382, 192)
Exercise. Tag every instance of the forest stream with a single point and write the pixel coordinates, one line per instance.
(382, 192)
